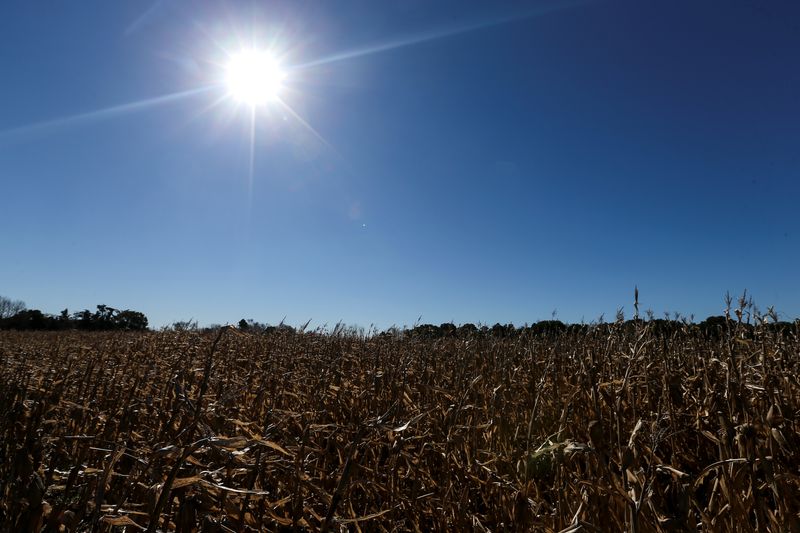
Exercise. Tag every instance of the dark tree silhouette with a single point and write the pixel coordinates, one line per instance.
(9, 307)
(106, 318)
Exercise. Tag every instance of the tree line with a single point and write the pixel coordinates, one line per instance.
(14, 315)
(713, 326)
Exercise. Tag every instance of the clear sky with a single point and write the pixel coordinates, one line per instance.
(454, 161)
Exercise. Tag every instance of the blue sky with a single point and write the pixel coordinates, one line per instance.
(454, 161)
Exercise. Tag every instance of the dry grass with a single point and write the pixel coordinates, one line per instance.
(617, 428)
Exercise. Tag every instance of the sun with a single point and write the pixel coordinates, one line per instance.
(254, 77)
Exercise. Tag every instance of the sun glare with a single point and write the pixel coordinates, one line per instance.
(254, 77)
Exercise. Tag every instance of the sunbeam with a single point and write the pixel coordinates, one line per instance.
(252, 162)
(144, 18)
(100, 114)
(306, 125)
(211, 106)
(441, 34)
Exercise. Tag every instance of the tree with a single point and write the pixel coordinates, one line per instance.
(548, 327)
(9, 307)
(104, 319)
(30, 319)
(467, 330)
(130, 320)
(447, 329)
(185, 325)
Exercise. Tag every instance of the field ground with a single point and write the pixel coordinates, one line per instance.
(615, 427)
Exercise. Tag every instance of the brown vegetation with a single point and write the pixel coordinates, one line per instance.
(615, 427)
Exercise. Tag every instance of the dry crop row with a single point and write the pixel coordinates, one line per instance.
(611, 428)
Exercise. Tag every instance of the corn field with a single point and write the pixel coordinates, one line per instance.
(611, 427)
